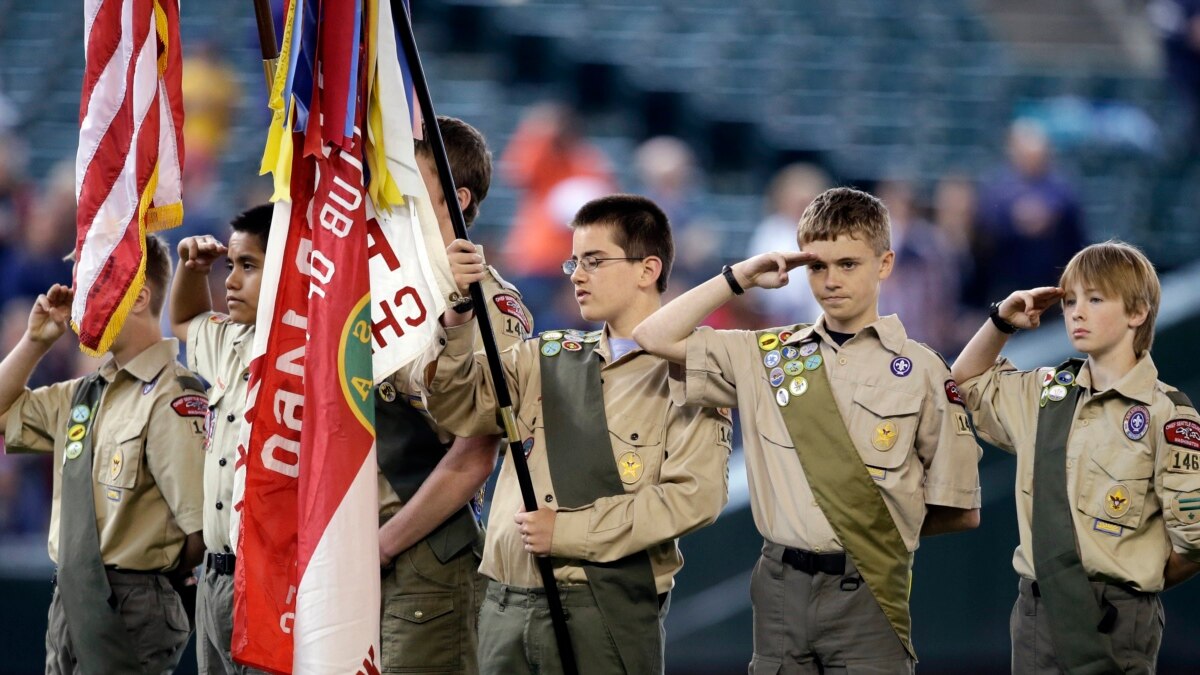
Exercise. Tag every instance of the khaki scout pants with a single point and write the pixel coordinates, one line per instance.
(516, 636)
(153, 615)
(1136, 634)
(430, 613)
(815, 623)
(214, 626)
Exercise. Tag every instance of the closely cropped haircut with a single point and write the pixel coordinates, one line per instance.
(844, 211)
(469, 157)
(1119, 270)
(256, 221)
(158, 272)
(640, 228)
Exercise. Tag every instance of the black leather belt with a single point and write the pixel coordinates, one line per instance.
(813, 563)
(221, 563)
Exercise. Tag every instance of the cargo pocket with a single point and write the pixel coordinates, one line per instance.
(885, 428)
(421, 633)
(1113, 486)
(637, 448)
(120, 459)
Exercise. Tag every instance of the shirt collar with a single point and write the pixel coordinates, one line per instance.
(1138, 384)
(147, 365)
(888, 329)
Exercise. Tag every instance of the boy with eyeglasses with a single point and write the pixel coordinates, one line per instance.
(619, 471)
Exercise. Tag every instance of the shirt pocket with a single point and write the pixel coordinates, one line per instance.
(120, 455)
(884, 424)
(638, 449)
(1114, 484)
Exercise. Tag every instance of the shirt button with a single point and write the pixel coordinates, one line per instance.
(222, 462)
(633, 437)
(1070, 462)
(842, 361)
(549, 498)
(230, 417)
(442, 341)
(228, 550)
(1084, 423)
(220, 506)
(816, 549)
(245, 377)
(418, 614)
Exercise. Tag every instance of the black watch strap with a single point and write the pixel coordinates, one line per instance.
(465, 306)
(1000, 324)
(734, 286)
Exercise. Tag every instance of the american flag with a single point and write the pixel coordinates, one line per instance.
(130, 158)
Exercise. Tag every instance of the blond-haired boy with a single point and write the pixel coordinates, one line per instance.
(1108, 468)
(856, 443)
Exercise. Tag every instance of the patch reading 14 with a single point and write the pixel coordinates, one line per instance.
(1183, 461)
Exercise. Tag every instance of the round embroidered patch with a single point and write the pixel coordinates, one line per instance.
(592, 337)
(776, 377)
(1057, 392)
(552, 335)
(387, 391)
(1116, 501)
(527, 446)
(630, 467)
(790, 352)
(1137, 423)
(80, 413)
(798, 386)
(74, 449)
(785, 335)
(551, 348)
(901, 366)
(793, 367)
(808, 348)
(885, 435)
(782, 397)
(1064, 377)
(571, 345)
(76, 432)
(812, 362)
(772, 358)
(114, 468)
(1047, 376)
(768, 341)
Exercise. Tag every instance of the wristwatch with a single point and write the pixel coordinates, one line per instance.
(734, 286)
(464, 306)
(1000, 324)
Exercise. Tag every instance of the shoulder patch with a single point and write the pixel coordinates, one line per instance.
(190, 405)
(1183, 432)
(509, 305)
(952, 393)
(190, 383)
(1180, 399)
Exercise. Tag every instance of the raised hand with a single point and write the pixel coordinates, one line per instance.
(1024, 309)
(770, 270)
(199, 253)
(466, 264)
(50, 314)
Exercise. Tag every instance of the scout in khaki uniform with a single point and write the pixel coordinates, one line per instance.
(619, 471)
(1108, 468)
(856, 443)
(125, 521)
(430, 538)
(218, 349)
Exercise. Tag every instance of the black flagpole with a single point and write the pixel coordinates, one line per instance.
(433, 135)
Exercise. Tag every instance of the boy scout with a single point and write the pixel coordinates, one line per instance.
(125, 521)
(619, 471)
(855, 443)
(1108, 468)
(430, 540)
(219, 349)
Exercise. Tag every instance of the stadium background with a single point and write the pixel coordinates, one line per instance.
(902, 97)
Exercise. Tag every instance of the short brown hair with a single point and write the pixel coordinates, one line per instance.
(469, 157)
(640, 228)
(1119, 270)
(844, 211)
(158, 272)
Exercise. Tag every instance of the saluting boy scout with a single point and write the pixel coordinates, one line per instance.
(219, 347)
(430, 538)
(125, 521)
(856, 442)
(1108, 468)
(619, 471)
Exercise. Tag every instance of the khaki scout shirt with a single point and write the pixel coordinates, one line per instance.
(679, 485)
(219, 350)
(511, 323)
(1131, 458)
(147, 439)
(893, 394)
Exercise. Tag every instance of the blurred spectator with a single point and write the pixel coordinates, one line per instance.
(1030, 218)
(1178, 22)
(923, 286)
(16, 198)
(557, 171)
(790, 192)
(48, 237)
(667, 173)
(211, 94)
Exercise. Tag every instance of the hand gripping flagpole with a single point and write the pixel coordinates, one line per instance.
(266, 40)
(516, 453)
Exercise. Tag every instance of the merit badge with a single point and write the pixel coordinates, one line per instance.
(901, 366)
(387, 391)
(571, 345)
(1056, 392)
(782, 397)
(812, 362)
(783, 337)
(790, 352)
(885, 436)
(1116, 500)
(630, 466)
(793, 367)
(952, 393)
(1044, 397)
(1047, 376)
(74, 449)
(768, 341)
(1183, 432)
(1064, 377)
(114, 468)
(76, 432)
(772, 358)
(592, 337)
(527, 446)
(798, 386)
(80, 413)
(552, 335)
(551, 348)
(808, 348)
(1137, 423)
(1187, 507)
(776, 377)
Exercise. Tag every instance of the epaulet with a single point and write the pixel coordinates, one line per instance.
(191, 382)
(1180, 399)
(503, 283)
(936, 353)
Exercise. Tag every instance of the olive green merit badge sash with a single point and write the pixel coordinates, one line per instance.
(101, 642)
(844, 489)
(1073, 613)
(582, 469)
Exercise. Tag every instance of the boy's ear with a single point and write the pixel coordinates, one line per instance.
(886, 262)
(464, 198)
(1138, 316)
(651, 269)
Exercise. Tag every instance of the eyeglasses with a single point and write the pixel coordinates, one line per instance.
(589, 263)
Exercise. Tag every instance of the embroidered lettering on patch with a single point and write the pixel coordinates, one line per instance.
(509, 305)
(725, 435)
(190, 405)
(1183, 432)
(1183, 461)
(952, 393)
(963, 426)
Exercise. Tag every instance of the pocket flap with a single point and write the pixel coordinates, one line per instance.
(887, 402)
(1125, 465)
(635, 433)
(422, 607)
